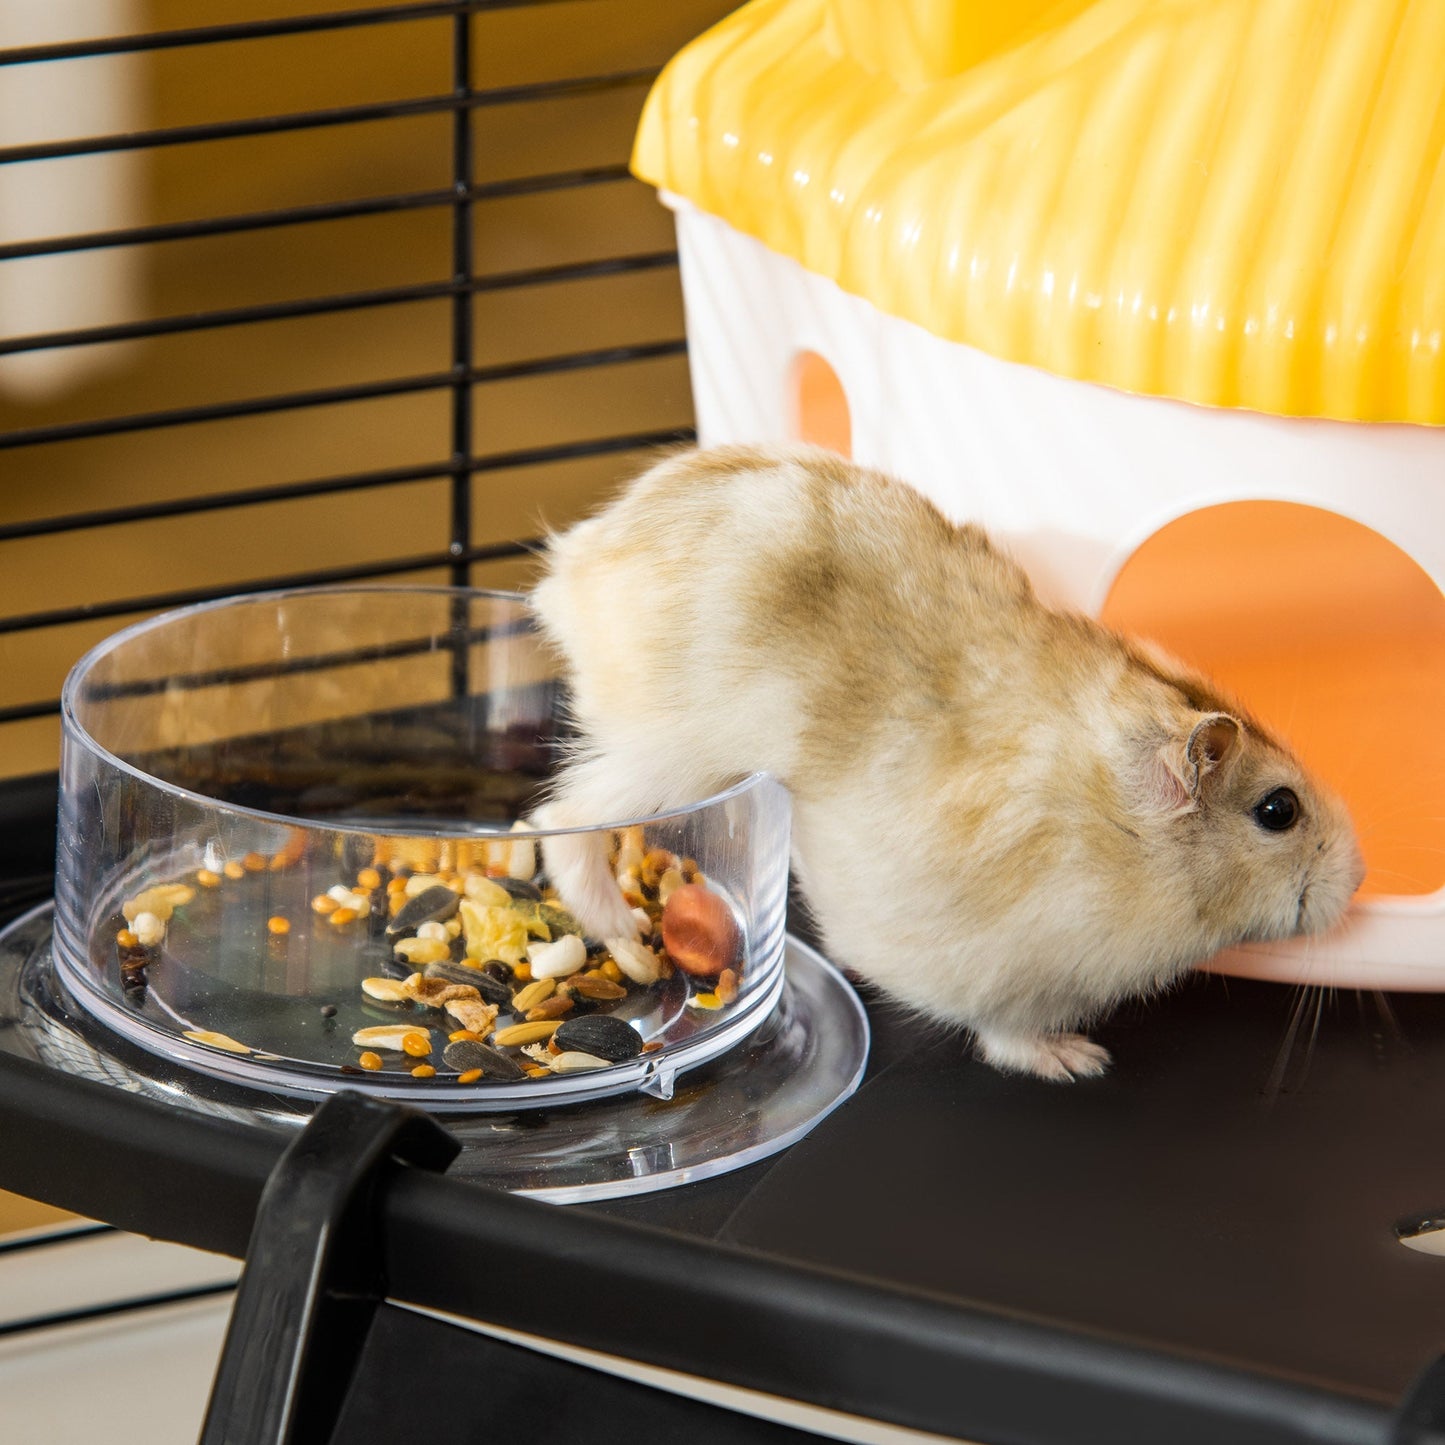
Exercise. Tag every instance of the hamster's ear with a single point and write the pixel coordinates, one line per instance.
(1178, 772)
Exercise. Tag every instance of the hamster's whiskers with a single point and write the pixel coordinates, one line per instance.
(1303, 994)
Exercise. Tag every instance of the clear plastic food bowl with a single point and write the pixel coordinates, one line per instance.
(251, 792)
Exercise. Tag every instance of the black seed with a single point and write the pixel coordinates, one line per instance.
(498, 970)
(604, 1035)
(434, 904)
(328, 1010)
(492, 989)
(467, 1054)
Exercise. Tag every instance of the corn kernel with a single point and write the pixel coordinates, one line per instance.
(278, 925)
(340, 916)
(233, 870)
(369, 878)
(207, 879)
(254, 863)
(126, 939)
(323, 903)
(610, 970)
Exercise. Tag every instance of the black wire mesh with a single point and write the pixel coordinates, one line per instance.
(488, 170)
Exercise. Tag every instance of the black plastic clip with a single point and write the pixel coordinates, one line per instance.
(1420, 1419)
(313, 1275)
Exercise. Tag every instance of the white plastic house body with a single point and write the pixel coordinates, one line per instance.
(1070, 476)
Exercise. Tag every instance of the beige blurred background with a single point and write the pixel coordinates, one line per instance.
(217, 82)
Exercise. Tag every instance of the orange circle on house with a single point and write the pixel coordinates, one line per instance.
(820, 407)
(1334, 638)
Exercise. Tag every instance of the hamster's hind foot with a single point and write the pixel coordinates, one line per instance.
(1060, 1058)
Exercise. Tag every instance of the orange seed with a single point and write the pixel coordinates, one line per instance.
(369, 1060)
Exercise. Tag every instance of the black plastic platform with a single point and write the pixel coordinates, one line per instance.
(1201, 1246)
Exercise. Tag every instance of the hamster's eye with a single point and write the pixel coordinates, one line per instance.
(1277, 811)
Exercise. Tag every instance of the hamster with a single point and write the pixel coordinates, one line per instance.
(1006, 817)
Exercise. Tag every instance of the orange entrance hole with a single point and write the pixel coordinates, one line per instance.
(820, 406)
(1334, 638)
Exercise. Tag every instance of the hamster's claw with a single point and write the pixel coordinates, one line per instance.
(1060, 1058)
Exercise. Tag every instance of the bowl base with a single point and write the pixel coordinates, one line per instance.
(758, 1098)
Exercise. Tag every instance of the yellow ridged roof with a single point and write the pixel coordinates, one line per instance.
(1234, 202)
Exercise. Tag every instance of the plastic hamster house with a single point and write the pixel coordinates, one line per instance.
(1157, 293)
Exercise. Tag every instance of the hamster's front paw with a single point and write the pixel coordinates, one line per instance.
(577, 866)
(1061, 1058)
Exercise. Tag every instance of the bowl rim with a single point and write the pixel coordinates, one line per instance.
(75, 733)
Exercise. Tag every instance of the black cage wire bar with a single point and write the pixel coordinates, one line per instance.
(457, 460)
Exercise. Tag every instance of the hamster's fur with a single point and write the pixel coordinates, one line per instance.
(1005, 816)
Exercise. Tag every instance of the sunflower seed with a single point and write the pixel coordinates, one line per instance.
(602, 1034)
(520, 888)
(491, 988)
(436, 903)
(465, 1055)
